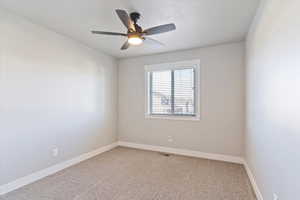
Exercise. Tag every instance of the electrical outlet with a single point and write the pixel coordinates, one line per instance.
(275, 197)
(55, 152)
(170, 139)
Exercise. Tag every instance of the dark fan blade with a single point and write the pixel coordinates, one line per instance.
(108, 33)
(125, 46)
(124, 17)
(153, 42)
(160, 29)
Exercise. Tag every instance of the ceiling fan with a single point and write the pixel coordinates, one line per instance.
(135, 34)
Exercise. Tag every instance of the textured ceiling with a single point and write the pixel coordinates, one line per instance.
(199, 22)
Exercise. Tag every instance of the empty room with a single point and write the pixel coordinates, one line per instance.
(149, 100)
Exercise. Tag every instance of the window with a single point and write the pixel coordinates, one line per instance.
(172, 90)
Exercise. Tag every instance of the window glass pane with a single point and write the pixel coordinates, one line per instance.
(160, 99)
(184, 92)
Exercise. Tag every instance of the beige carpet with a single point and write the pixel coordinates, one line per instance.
(130, 174)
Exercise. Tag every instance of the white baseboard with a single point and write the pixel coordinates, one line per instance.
(53, 169)
(253, 182)
(184, 152)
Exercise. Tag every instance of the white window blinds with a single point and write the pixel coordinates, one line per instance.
(184, 94)
(172, 92)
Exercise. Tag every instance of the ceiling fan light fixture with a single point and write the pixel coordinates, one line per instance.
(135, 40)
(136, 35)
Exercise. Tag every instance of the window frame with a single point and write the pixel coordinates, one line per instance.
(195, 64)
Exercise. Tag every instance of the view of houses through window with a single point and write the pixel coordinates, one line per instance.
(172, 92)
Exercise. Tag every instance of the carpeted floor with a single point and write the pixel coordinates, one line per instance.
(130, 174)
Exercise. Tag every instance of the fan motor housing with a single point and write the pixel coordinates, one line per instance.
(135, 16)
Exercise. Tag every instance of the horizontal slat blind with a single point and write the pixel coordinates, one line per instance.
(184, 92)
(161, 92)
(172, 92)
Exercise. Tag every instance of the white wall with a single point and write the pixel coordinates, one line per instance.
(221, 127)
(273, 99)
(53, 92)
